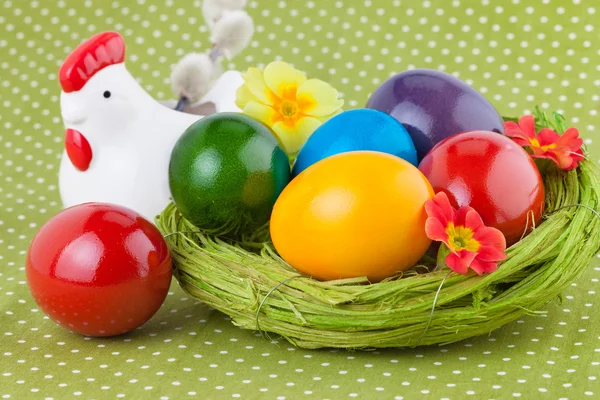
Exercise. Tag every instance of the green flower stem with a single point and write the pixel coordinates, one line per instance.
(441, 257)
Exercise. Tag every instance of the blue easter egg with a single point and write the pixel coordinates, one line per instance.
(354, 130)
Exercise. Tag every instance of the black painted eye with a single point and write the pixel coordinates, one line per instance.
(106, 94)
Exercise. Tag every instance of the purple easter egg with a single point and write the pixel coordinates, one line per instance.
(433, 105)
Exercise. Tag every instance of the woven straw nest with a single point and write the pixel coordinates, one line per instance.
(259, 291)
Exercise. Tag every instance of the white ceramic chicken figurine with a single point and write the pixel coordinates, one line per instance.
(118, 138)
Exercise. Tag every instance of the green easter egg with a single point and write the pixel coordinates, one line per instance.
(225, 173)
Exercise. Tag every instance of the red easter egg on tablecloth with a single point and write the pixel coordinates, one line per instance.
(99, 269)
(492, 174)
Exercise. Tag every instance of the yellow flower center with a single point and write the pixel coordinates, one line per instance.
(289, 108)
(536, 143)
(461, 238)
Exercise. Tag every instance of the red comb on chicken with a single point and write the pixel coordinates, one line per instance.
(101, 50)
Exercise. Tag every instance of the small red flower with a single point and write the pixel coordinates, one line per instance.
(564, 150)
(471, 243)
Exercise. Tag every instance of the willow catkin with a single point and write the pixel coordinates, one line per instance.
(235, 278)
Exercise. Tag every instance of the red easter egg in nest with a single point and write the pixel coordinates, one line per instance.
(492, 174)
(99, 269)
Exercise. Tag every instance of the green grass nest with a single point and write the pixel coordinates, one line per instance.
(259, 291)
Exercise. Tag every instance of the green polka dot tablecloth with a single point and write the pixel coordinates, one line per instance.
(518, 53)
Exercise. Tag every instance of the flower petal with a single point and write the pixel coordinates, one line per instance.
(461, 215)
(481, 267)
(460, 261)
(493, 244)
(547, 137)
(538, 151)
(562, 156)
(306, 126)
(521, 142)
(546, 154)
(435, 230)
(293, 137)
(283, 79)
(489, 236)
(527, 124)
(327, 117)
(510, 125)
(571, 139)
(514, 131)
(472, 219)
(264, 114)
(255, 82)
(576, 156)
(243, 96)
(317, 98)
(440, 208)
(490, 254)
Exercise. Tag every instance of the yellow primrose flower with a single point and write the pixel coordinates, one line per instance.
(285, 100)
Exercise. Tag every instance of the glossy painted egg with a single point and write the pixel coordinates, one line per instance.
(99, 269)
(353, 130)
(433, 105)
(226, 172)
(353, 214)
(492, 174)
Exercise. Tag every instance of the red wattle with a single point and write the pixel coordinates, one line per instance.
(78, 149)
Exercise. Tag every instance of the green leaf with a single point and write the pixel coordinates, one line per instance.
(560, 123)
